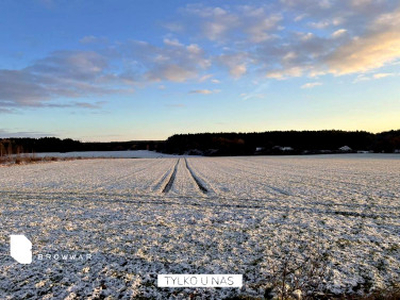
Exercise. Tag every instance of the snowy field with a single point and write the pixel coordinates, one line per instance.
(107, 154)
(333, 220)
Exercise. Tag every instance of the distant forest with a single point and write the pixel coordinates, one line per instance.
(270, 142)
(53, 144)
(283, 142)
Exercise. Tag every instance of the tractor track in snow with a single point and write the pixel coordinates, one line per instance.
(199, 184)
(171, 179)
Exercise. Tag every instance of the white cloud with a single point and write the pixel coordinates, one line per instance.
(306, 36)
(356, 36)
(236, 63)
(285, 73)
(306, 53)
(194, 49)
(300, 17)
(310, 85)
(378, 46)
(173, 42)
(365, 53)
(171, 72)
(255, 23)
(320, 24)
(361, 78)
(205, 77)
(291, 55)
(215, 20)
(238, 70)
(253, 38)
(339, 33)
(383, 75)
(204, 92)
(276, 75)
(69, 74)
(173, 62)
(75, 74)
(259, 29)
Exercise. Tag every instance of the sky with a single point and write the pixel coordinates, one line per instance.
(113, 70)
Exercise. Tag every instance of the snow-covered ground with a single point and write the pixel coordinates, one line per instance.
(106, 154)
(335, 219)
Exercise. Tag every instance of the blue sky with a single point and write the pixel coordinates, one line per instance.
(124, 70)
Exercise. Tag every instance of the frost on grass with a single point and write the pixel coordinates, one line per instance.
(292, 226)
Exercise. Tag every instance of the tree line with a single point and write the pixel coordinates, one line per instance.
(276, 142)
(270, 142)
(12, 146)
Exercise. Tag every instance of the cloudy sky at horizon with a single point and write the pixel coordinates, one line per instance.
(123, 70)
